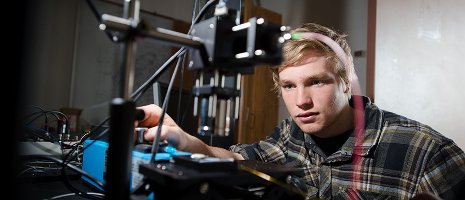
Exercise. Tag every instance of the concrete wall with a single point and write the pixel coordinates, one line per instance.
(419, 62)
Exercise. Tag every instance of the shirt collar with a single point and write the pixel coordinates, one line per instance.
(371, 135)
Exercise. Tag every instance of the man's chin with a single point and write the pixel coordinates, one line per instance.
(310, 128)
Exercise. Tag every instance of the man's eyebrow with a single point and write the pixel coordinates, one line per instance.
(284, 82)
(318, 76)
(310, 78)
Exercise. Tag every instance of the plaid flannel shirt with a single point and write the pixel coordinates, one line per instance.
(400, 158)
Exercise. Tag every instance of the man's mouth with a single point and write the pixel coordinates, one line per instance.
(307, 117)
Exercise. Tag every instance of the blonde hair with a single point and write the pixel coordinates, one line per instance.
(296, 49)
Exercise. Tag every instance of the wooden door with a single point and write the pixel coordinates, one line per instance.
(258, 113)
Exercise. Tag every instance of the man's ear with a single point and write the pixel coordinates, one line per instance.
(347, 87)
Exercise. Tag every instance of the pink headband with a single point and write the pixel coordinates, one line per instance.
(342, 56)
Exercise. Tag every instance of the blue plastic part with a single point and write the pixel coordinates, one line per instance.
(94, 160)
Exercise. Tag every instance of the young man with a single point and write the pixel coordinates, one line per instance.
(345, 145)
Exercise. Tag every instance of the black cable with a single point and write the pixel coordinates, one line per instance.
(147, 84)
(72, 167)
(100, 125)
(70, 186)
(66, 131)
(48, 136)
(41, 110)
(195, 8)
(42, 113)
(156, 143)
(180, 89)
(67, 158)
(59, 127)
(184, 114)
(202, 13)
(85, 136)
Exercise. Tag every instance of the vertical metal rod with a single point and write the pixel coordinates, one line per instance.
(122, 112)
(238, 87)
(196, 98)
(129, 50)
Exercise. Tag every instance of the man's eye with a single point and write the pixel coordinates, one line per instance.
(317, 82)
(287, 87)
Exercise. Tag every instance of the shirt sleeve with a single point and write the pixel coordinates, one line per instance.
(272, 149)
(445, 173)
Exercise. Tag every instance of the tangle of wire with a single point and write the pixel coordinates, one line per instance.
(75, 148)
(62, 128)
(66, 178)
(34, 167)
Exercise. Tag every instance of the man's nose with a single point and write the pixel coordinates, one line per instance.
(303, 98)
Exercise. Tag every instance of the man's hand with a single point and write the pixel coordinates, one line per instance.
(170, 131)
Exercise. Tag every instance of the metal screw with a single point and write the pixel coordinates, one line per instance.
(204, 188)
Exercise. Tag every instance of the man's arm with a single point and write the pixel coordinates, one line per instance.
(177, 137)
(445, 173)
(198, 146)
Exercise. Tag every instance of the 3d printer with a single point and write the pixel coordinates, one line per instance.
(220, 50)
